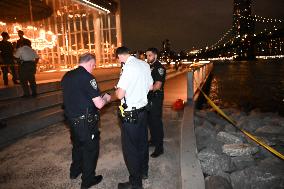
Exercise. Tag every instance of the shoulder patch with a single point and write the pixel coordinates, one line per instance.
(93, 82)
(161, 71)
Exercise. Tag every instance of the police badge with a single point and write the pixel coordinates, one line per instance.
(161, 71)
(94, 84)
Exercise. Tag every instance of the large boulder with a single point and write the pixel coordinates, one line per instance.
(230, 128)
(228, 138)
(201, 114)
(217, 182)
(219, 128)
(215, 118)
(206, 138)
(242, 162)
(213, 163)
(250, 124)
(239, 149)
(198, 121)
(268, 174)
(208, 125)
(211, 116)
(271, 129)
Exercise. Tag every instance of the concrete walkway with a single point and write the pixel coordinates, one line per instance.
(42, 159)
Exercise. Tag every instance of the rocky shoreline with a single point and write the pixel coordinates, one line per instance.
(230, 160)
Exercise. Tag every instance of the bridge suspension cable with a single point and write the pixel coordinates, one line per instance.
(222, 38)
(261, 19)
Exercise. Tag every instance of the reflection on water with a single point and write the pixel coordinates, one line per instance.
(249, 85)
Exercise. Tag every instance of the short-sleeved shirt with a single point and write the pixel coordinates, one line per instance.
(6, 49)
(26, 53)
(79, 88)
(158, 73)
(136, 81)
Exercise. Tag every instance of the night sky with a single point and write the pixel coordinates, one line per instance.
(186, 23)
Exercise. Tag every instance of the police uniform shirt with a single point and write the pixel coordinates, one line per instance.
(158, 72)
(79, 88)
(26, 53)
(135, 80)
(22, 41)
(6, 49)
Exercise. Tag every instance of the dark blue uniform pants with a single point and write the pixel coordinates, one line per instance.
(27, 71)
(155, 121)
(5, 71)
(134, 139)
(85, 151)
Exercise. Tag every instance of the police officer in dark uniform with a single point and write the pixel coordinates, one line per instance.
(156, 97)
(82, 99)
(21, 41)
(6, 52)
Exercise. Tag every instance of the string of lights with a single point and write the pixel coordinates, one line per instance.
(222, 38)
(268, 19)
(261, 19)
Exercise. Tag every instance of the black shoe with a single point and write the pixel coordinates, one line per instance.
(145, 176)
(124, 185)
(151, 144)
(74, 176)
(96, 181)
(34, 95)
(157, 153)
(127, 185)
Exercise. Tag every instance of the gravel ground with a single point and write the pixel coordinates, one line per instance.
(42, 159)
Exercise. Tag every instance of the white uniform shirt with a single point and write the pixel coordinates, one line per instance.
(136, 80)
(26, 53)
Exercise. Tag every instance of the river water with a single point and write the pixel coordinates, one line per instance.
(249, 85)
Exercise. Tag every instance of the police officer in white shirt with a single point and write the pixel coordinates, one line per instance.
(28, 59)
(132, 88)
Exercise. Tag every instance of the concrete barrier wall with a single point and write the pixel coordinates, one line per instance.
(191, 173)
(197, 77)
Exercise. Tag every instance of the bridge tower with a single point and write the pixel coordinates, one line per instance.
(243, 28)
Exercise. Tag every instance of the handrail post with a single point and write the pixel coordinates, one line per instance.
(190, 88)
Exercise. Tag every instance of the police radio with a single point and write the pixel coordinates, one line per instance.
(122, 107)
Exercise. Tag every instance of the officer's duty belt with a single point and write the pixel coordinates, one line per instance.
(132, 116)
(89, 118)
(137, 110)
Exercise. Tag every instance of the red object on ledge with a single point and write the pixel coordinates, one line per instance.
(178, 104)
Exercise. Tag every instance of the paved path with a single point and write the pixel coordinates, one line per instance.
(42, 159)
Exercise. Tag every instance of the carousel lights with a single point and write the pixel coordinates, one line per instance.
(39, 43)
(95, 5)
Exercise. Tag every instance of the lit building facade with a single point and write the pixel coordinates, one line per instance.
(75, 27)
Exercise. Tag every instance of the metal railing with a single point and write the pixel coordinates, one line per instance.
(197, 77)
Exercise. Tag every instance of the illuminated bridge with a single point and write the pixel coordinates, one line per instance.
(250, 37)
